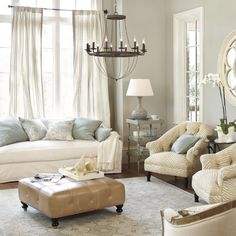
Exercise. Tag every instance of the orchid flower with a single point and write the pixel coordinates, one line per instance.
(214, 79)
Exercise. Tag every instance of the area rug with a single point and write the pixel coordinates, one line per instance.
(141, 215)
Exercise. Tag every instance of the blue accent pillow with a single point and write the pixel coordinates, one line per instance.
(184, 143)
(11, 132)
(85, 128)
(102, 134)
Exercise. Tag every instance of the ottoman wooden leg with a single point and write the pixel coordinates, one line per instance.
(24, 206)
(55, 222)
(119, 209)
(196, 198)
(148, 176)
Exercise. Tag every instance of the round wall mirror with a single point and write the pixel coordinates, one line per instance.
(227, 67)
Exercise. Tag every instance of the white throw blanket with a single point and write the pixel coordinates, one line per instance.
(109, 152)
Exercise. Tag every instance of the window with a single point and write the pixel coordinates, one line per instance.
(192, 72)
(57, 53)
(188, 33)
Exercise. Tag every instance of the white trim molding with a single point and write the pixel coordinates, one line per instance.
(179, 61)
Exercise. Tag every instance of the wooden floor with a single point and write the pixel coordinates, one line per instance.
(128, 173)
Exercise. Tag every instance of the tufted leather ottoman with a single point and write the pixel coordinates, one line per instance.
(70, 197)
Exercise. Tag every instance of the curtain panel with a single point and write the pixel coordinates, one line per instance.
(26, 87)
(91, 98)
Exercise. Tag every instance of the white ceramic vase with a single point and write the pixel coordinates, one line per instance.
(230, 137)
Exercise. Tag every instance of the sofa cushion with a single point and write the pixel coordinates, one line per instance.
(184, 143)
(11, 132)
(85, 129)
(43, 150)
(102, 133)
(35, 129)
(60, 130)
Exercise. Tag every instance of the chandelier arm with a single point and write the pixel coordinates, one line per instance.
(111, 70)
(112, 29)
(120, 68)
(106, 31)
(127, 68)
(103, 70)
(135, 63)
(100, 67)
(132, 67)
(127, 34)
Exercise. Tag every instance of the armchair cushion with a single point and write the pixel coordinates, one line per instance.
(169, 163)
(205, 184)
(184, 143)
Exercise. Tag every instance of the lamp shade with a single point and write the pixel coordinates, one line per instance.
(139, 88)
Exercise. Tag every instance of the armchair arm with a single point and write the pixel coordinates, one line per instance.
(209, 161)
(225, 173)
(164, 143)
(197, 150)
(154, 146)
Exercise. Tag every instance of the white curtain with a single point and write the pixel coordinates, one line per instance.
(91, 97)
(26, 88)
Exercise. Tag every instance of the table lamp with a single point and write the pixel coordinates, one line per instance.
(139, 88)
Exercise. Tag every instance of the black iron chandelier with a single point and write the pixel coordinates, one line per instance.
(116, 48)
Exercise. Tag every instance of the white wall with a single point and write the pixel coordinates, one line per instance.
(153, 20)
(219, 20)
(146, 19)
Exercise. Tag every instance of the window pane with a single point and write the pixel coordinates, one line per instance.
(4, 9)
(46, 4)
(191, 59)
(191, 33)
(67, 4)
(5, 32)
(192, 71)
(83, 5)
(28, 3)
(231, 79)
(5, 59)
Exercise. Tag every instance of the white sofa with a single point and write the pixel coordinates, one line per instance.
(208, 220)
(24, 159)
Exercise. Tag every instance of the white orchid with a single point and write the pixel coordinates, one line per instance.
(212, 78)
(215, 80)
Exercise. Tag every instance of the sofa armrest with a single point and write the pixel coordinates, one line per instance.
(226, 173)
(197, 150)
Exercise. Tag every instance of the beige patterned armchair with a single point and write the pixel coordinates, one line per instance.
(163, 161)
(216, 182)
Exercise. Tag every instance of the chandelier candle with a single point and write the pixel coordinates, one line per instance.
(135, 43)
(143, 49)
(121, 44)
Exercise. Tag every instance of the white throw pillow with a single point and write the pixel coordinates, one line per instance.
(35, 129)
(60, 130)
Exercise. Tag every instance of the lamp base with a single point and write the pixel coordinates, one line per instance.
(139, 113)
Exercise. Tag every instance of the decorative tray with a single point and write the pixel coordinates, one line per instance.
(69, 172)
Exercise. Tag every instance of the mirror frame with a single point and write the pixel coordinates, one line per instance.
(223, 67)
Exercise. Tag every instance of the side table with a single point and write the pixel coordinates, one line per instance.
(141, 140)
(214, 144)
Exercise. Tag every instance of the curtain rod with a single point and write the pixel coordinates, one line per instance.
(45, 8)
